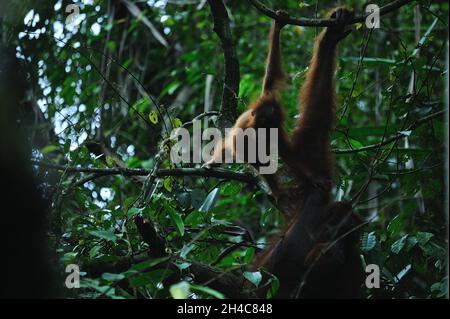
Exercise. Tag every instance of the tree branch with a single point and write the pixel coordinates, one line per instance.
(202, 172)
(224, 281)
(217, 173)
(230, 91)
(325, 22)
(391, 139)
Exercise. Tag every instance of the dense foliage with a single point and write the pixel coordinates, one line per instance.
(106, 95)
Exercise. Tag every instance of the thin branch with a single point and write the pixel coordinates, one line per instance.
(325, 22)
(230, 90)
(153, 174)
(140, 16)
(217, 173)
(84, 180)
(202, 172)
(391, 139)
(358, 70)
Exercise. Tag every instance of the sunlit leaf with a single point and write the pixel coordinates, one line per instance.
(176, 220)
(208, 291)
(168, 184)
(368, 241)
(180, 290)
(49, 149)
(254, 277)
(112, 277)
(398, 245)
(210, 200)
(153, 117)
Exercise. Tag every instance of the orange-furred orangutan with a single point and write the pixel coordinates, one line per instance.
(317, 255)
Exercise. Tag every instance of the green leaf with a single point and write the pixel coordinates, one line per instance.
(95, 284)
(356, 145)
(368, 241)
(110, 160)
(177, 123)
(150, 278)
(399, 244)
(208, 291)
(49, 149)
(112, 277)
(254, 277)
(180, 290)
(210, 201)
(405, 133)
(134, 211)
(111, 45)
(168, 184)
(411, 242)
(69, 257)
(146, 264)
(127, 63)
(109, 26)
(440, 289)
(104, 234)
(172, 87)
(249, 254)
(182, 265)
(186, 250)
(142, 105)
(423, 237)
(197, 198)
(395, 225)
(195, 218)
(433, 250)
(176, 220)
(67, 145)
(153, 117)
(93, 252)
(231, 189)
(184, 199)
(275, 284)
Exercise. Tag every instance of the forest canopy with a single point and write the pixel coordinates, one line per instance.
(102, 84)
